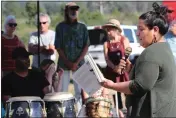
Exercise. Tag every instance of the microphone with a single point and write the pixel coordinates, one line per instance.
(128, 51)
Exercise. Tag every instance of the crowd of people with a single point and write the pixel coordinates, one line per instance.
(149, 85)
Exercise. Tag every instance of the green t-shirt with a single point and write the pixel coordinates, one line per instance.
(153, 83)
(71, 38)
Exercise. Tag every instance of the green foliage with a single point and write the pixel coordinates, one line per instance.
(61, 11)
(93, 18)
(31, 9)
(89, 13)
(23, 30)
(56, 19)
(51, 8)
(11, 8)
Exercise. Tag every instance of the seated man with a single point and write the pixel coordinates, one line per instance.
(23, 81)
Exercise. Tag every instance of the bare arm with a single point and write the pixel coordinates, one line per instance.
(122, 87)
(43, 49)
(109, 63)
(82, 54)
(142, 83)
(47, 89)
(33, 45)
(86, 43)
(63, 57)
(33, 48)
(85, 95)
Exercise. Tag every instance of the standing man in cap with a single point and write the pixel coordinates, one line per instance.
(72, 43)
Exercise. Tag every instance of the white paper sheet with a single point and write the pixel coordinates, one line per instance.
(88, 76)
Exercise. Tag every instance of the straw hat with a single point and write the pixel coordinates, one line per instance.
(113, 23)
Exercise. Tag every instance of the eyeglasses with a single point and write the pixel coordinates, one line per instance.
(43, 22)
(12, 24)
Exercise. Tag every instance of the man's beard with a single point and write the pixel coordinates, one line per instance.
(73, 15)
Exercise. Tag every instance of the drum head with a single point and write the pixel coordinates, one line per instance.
(25, 98)
(58, 96)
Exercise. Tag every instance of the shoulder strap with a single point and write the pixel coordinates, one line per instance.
(108, 44)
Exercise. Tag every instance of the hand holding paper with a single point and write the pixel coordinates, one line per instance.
(108, 84)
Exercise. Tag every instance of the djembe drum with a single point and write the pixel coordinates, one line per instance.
(98, 107)
(25, 107)
(60, 105)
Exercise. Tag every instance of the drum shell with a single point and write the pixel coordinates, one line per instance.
(57, 107)
(25, 107)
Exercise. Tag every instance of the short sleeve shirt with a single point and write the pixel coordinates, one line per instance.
(71, 39)
(31, 85)
(45, 40)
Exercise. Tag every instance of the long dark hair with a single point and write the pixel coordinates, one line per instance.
(157, 17)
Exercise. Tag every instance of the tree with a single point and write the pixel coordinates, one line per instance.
(11, 8)
(31, 9)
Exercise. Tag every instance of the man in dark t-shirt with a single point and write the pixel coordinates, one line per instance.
(23, 81)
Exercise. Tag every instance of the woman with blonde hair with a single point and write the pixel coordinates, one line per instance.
(9, 41)
(114, 49)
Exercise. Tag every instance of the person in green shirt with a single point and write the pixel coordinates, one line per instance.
(71, 42)
(151, 91)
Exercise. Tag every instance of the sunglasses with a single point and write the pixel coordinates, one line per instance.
(43, 22)
(12, 24)
(74, 8)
